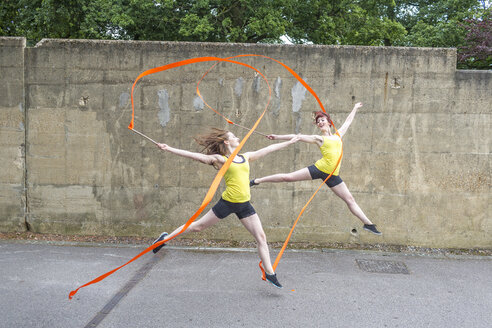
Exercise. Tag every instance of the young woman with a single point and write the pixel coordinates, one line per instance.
(218, 146)
(330, 145)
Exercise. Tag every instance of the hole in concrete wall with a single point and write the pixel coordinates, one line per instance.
(83, 102)
(396, 82)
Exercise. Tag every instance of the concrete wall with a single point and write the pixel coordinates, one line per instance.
(12, 134)
(417, 157)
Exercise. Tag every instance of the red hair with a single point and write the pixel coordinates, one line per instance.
(322, 114)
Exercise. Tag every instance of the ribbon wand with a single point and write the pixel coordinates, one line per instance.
(143, 135)
(247, 128)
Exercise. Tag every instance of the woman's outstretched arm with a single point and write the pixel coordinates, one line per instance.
(215, 160)
(314, 139)
(254, 155)
(349, 119)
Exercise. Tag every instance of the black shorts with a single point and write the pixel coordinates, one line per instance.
(223, 208)
(317, 174)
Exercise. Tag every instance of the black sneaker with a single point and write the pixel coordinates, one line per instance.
(272, 278)
(372, 228)
(253, 183)
(161, 237)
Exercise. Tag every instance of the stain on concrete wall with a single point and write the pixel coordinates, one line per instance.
(257, 83)
(238, 87)
(198, 103)
(298, 93)
(277, 88)
(124, 100)
(164, 113)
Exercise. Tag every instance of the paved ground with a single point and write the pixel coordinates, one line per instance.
(188, 287)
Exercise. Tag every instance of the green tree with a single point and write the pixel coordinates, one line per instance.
(435, 23)
(356, 22)
(235, 21)
(204, 20)
(8, 17)
(37, 19)
(174, 20)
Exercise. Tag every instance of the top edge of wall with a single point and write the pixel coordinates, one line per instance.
(11, 41)
(465, 72)
(50, 42)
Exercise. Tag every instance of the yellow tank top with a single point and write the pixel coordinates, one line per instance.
(237, 181)
(331, 150)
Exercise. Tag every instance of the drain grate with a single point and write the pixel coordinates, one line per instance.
(379, 266)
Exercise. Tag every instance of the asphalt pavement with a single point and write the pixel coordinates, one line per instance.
(198, 287)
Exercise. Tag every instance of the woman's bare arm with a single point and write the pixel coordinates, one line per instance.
(314, 139)
(254, 155)
(215, 159)
(349, 119)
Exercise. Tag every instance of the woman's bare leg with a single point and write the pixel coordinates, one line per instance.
(299, 175)
(201, 224)
(253, 225)
(342, 191)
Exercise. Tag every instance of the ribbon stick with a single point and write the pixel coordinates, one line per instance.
(261, 134)
(143, 135)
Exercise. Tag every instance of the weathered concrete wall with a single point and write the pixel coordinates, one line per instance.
(417, 157)
(12, 135)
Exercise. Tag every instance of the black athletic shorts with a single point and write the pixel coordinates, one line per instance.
(317, 174)
(223, 208)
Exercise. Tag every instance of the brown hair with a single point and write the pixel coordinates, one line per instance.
(322, 114)
(213, 141)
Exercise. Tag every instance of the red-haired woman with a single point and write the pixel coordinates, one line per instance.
(331, 146)
(218, 146)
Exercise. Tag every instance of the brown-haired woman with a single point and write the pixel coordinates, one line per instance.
(331, 146)
(218, 146)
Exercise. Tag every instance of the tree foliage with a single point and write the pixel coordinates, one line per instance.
(477, 50)
(173, 20)
(364, 22)
(431, 23)
(418, 23)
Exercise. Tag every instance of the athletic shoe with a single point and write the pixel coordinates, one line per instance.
(161, 237)
(253, 183)
(372, 228)
(272, 278)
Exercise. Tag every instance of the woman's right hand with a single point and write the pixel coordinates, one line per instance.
(162, 146)
(295, 139)
(272, 136)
